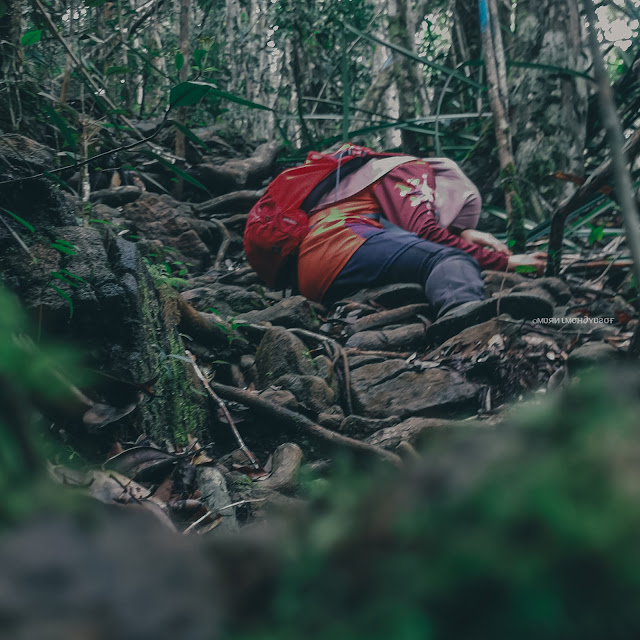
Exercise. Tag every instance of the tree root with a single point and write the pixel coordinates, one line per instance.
(291, 420)
(206, 328)
(230, 202)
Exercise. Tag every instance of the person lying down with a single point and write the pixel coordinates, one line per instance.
(399, 219)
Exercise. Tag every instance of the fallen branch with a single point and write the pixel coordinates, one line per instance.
(291, 420)
(243, 447)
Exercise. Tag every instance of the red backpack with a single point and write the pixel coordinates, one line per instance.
(277, 224)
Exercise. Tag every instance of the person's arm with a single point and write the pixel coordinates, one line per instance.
(425, 226)
(399, 209)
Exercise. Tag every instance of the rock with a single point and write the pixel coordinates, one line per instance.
(474, 338)
(21, 154)
(591, 354)
(125, 331)
(281, 353)
(517, 305)
(215, 496)
(117, 196)
(310, 391)
(395, 388)
(404, 338)
(536, 291)
(295, 311)
(409, 430)
(161, 221)
(227, 300)
(617, 309)
(38, 201)
(330, 420)
(281, 397)
(392, 295)
(358, 426)
(558, 288)
(287, 459)
(496, 281)
(104, 212)
(261, 503)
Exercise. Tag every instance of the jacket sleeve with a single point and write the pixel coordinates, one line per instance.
(400, 211)
(426, 227)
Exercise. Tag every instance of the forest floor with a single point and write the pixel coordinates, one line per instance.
(216, 401)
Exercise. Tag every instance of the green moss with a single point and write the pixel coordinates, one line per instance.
(175, 413)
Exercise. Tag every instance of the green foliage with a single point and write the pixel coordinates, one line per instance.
(596, 235)
(27, 374)
(31, 37)
(162, 274)
(17, 218)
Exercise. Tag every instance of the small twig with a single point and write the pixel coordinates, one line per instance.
(200, 520)
(604, 273)
(241, 502)
(243, 447)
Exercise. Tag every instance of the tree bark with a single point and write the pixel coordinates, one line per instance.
(548, 110)
(407, 73)
(492, 52)
(11, 58)
(185, 24)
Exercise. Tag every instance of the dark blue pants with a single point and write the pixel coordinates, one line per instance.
(449, 276)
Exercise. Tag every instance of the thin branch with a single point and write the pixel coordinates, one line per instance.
(243, 447)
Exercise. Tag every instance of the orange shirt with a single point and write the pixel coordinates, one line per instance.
(332, 240)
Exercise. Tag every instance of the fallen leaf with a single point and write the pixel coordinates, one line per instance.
(139, 462)
(100, 415)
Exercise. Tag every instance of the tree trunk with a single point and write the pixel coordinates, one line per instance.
(548, 110)
(11, 58)
(407, 73)
(185, 20)
(496, 79)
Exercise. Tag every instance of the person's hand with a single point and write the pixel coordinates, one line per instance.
(529, 262)
(484, 240)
